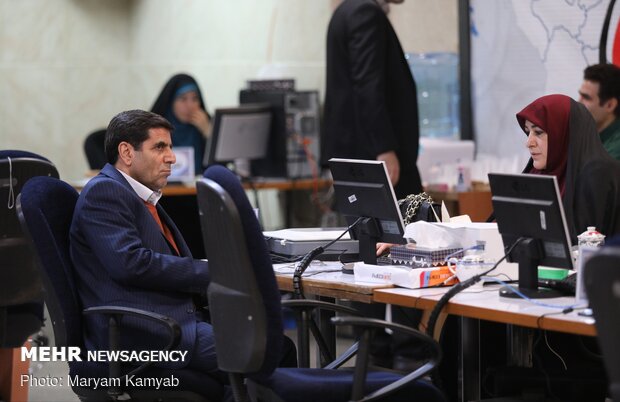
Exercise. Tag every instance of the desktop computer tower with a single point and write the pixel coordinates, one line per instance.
(294, 142)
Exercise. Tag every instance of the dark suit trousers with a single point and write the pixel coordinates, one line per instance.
(204, 358)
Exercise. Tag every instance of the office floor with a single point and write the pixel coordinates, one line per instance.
(53, 370)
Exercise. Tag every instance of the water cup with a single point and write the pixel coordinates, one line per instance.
(469, 266)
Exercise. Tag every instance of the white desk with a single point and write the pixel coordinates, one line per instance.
(486, 304)
(334, 285)
(475, 304)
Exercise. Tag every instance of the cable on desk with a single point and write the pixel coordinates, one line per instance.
(322, 272)
(566, 308)
(459, 287)
(434, 316)
(305, 262)
(282, 259)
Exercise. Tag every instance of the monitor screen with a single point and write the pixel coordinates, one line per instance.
(363, 190)
(183, 170)
(529, 206)
(239, 133)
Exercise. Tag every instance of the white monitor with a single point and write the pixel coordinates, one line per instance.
(183, 171)
(239, 133)
(444, 155)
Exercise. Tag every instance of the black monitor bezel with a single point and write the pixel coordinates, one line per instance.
(364, 174)
(529, 206)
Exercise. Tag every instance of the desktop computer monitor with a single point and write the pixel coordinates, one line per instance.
(529, 207)
(239, 134)
(363, 190)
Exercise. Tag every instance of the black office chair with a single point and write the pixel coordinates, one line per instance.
(94, 149)
(246, 315)
(21, 297)
(602, 283)
(45, 209)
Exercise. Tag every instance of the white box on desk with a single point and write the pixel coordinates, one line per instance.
(494, 246)
(412, 278)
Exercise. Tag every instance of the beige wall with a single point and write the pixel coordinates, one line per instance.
(67, 66)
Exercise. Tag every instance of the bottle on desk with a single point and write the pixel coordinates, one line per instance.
(463, 181)
(588, 242)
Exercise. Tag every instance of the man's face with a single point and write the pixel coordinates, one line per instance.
(588, 95)
(152, 163)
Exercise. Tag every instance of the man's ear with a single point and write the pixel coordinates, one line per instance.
(611, 104)
(125, 153)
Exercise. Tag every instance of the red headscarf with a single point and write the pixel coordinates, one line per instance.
(589, 179)
(551, 113)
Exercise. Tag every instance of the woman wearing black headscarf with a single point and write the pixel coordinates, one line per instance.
(181, 103)
(563, 142)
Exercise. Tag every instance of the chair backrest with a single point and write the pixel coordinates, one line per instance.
(602, 282)
(243, 294)
(16, 167)
(94, 149)
(19, 281)
(45, 209)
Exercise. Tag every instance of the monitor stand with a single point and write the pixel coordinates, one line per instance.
(368, 234)
(242, 167)
(528, 253)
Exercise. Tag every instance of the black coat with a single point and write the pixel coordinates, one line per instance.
(163, 107)
(164, 100)
(370, 101)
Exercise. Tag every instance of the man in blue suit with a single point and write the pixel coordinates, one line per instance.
(128, 252)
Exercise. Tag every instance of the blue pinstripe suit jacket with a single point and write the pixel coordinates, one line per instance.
(122, 258)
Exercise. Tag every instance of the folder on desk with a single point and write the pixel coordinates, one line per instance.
(300, 241)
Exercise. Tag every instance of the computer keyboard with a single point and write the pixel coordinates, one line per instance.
(568, 285)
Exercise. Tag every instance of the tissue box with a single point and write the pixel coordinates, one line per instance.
(422, 257)
(404, 276)
(494, 247)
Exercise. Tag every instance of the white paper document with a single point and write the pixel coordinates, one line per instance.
(307, 234)
(314, 267)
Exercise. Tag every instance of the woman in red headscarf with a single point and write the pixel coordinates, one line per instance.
(563, 142)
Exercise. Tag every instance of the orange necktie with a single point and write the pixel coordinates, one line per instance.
(164, 229)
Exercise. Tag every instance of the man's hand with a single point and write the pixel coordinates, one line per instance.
(200, 119)
(383, 248)
(393, 167)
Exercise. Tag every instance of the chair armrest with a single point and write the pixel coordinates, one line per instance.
(171, 325)
(308, 304)
(116, 313)
(361, 365)
(304, 307)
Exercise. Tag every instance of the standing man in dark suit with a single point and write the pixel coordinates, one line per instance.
(371, 112)
(371, 109)
(128, 252)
